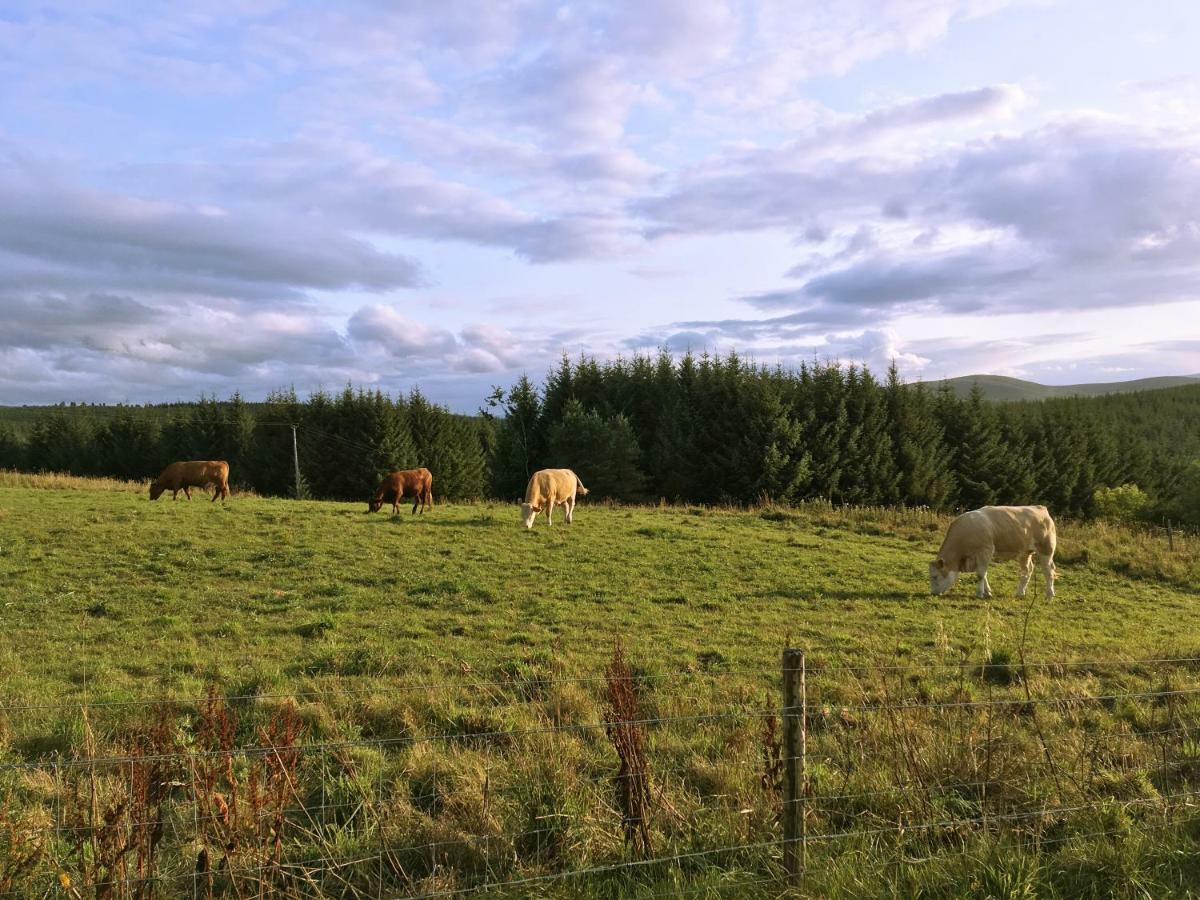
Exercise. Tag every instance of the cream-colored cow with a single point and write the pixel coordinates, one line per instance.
(548, 488)
(977, 537)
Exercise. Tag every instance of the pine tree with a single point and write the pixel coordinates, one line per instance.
(924, 462)
(973, 433)
(604, 453)
(128, 446)
(518, 450)
(871, 473)
(466, 460)
(829, 431)
(785, 467)
(12, 448)
(61, 442)
(386, 432)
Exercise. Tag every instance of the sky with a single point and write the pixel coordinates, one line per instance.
(246, 195)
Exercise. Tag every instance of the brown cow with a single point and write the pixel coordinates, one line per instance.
(418, 482)
(183, 476)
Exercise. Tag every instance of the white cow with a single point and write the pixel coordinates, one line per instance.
(548, 488)
(977, 537)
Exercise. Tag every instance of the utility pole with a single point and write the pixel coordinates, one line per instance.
(296, 461)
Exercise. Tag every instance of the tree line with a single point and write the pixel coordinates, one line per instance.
(345, 443)
(719, 429)
(703, 429)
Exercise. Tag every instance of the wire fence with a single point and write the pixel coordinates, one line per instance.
(717, 783)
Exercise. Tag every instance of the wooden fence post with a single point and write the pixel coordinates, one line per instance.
(1170, 537)
(795, 740)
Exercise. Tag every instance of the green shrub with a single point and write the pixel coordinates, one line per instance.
(1124, 503)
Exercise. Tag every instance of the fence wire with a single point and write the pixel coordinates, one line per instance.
(197, 809)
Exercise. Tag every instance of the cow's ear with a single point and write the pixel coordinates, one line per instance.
(941, 563)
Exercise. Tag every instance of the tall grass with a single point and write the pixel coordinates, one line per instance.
(56, 481)
(1077, 781)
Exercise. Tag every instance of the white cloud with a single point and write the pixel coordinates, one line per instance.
(253, 190)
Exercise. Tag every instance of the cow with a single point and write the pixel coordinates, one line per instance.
(198, 473)
(977, 537)
(548, 488)
(418, 482)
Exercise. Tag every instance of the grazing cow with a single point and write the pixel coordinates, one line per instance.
(548, 488)
(200, 473)
(418, 482)
(976, 538)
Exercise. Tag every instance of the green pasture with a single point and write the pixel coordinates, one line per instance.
(459, 623)
(105, 594)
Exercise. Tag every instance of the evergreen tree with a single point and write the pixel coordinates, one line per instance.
(1018, 483)
(518, 450)
(270, 468)
(871, 472)
(828, 431)
(602, 452)
(128, 446)
(785, 468)
(465, 459)
(923, 461)
(973, 433)
(386, 432)
(61, 443)
(12, 448)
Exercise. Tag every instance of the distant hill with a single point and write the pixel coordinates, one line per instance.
(1000, 387)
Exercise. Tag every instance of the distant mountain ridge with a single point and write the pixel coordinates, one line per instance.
(1001, 387)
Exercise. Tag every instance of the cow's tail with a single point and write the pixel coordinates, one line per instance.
(579, 486)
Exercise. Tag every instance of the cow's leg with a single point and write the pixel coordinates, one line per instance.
(174, 495)
(983, 590)
(417, 502)
(570, 505)
(550, 512)
(1048, 570)
(1025, 567)
(187, 492)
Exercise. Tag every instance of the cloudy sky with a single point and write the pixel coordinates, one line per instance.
(247, 194)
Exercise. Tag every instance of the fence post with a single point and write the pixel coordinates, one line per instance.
(1170, 537)
(795, 740)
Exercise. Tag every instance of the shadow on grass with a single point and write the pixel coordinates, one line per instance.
(478, 522)
(817, 595)
(473, 523)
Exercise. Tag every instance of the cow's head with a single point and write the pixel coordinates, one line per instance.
(529, 512)
(941, 578)
(155, 490)
(375, 504)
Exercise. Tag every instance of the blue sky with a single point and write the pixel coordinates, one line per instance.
(208, 197)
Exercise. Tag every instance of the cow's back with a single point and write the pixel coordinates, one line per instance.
(194, 473)
(551, 485)
(1007, 531)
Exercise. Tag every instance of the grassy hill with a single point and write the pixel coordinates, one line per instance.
(1003, 388)
(447, 672)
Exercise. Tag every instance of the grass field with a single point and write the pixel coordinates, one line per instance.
(106, 597)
